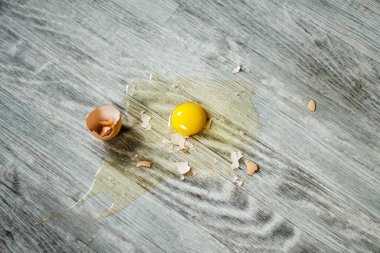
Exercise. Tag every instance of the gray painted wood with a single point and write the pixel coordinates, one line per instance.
(318, 185)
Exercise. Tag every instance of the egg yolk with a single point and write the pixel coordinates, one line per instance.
(188, 118)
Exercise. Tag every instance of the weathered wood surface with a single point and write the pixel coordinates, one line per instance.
(318, 185)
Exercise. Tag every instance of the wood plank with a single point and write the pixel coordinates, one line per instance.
(317, 187)
(72, 163)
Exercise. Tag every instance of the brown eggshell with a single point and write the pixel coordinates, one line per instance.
(95, 121)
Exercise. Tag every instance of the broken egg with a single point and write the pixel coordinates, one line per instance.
(188, 119)
(104, 123)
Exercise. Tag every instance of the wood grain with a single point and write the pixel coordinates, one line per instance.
(317, 189)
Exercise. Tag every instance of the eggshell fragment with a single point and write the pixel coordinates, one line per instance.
(311, 105)
(145, 121)
(208, 124)
(178, 140)
(144, 163)
(251, 167)
(235, 157)
(182, 167)
(236, 69)
(188, 146)
(106, 130)
(104, 123)
(168, 144)
(205, 193)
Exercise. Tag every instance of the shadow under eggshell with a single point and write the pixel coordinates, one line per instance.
(104, 113)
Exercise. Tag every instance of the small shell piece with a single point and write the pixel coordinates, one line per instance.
(311, 105)
(208, 124)
(178, 140)
(251, 167)
(144, 163)
(145, 121)
(236, 69)
(182, 167)
(104, 123)
(235, 157)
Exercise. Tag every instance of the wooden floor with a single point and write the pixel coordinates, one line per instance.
(318, 186)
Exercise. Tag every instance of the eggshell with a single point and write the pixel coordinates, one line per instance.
(145, 121)
(178, 140)
(311, 105)
(182, 167)
(104, 123)
(236, 69)
(251, 167)
(208, 124)
(235, 157)
(144, 163)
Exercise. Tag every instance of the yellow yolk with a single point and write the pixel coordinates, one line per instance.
(188, 118)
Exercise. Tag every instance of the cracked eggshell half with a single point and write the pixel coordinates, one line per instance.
(104, 123)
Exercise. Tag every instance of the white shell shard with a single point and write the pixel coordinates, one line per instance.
(235, 157)
(178, 140)
(145, 121)
(236, 69)
(182, 167)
